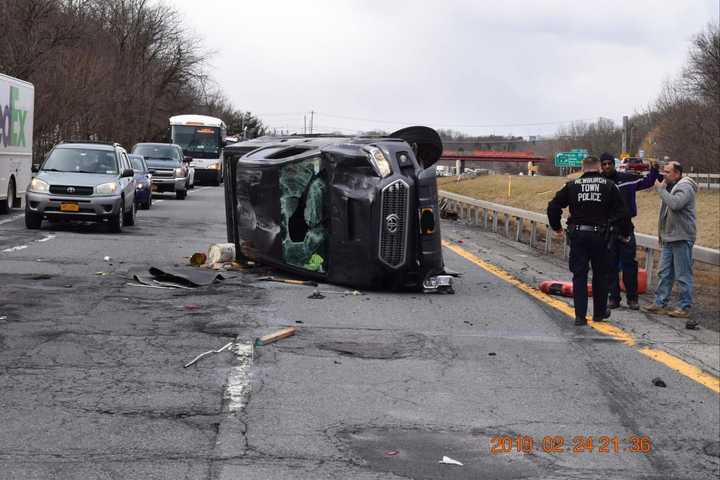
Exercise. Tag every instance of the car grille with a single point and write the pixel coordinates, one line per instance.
(393, 223)
(70, 190)
(163, 173)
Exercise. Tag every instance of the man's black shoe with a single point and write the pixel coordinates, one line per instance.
(633, 305)
(602, 318)
(613, 304)
(580, 322)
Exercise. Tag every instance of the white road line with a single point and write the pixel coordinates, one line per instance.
(11, 219)
(23, 247)
(237, 388)
(15, 249)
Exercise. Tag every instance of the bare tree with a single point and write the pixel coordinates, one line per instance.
(688, 122)
(108, 69)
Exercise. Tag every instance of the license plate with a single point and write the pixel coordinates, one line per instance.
(69, 207)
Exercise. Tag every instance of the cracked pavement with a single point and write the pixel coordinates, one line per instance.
(375, 386)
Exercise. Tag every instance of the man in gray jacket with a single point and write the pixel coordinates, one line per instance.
(677, 233)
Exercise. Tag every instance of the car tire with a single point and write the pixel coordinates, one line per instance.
(33, 221)
(7, 204)
(181, 194)
(116, 221)
(148, 203)
(129, 219)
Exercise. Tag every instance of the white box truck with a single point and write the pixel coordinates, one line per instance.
(16, 139)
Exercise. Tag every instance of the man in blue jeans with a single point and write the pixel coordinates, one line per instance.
(677, 233)
(622, 253)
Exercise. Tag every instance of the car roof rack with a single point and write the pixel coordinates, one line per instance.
(97, 142)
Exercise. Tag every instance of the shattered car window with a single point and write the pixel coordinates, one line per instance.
(303, 193)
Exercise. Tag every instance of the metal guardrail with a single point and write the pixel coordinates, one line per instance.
(706, 180)
(488, 215)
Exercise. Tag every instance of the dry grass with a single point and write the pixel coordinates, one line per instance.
(534, 193)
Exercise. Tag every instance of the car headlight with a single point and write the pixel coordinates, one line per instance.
(38, 186)
(214, 166)
(379, 162)
(178, 172)
(106, 188)
(140, 185)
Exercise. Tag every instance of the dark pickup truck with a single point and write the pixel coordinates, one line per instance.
(356, 211)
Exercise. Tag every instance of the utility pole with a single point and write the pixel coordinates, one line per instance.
(625, 135)
(312, 115)
(304, 124)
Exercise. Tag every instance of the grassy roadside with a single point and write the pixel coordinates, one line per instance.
(534, 193)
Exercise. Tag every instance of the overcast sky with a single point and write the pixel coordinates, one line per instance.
(482, 66)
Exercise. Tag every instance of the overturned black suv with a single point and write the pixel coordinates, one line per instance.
(356, 211)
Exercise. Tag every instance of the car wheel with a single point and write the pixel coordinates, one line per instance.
(130, 216)
(148, 203)
(116, 221)
(181, 194)
(33, 221)
(7, 204)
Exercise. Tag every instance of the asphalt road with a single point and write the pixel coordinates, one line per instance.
(373, 386)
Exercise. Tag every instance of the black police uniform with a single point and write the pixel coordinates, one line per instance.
(595, 206)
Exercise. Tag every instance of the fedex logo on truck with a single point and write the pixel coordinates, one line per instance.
(13, 121)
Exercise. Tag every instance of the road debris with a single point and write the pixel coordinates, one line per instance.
(3, 317)
(392, 453)
(198, 259)
(192, 306)
(178, 277)
(274, 337)
(692, 325)
(107, 258)
(321, 293)
(130, 284)
(41, 276)
(221, 253)
(307, 283)
(450, 461)
(354, 293)
(102, 274)
(209, 352)
(658, 382)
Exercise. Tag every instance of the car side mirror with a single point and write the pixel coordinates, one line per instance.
(128, 172)
(35, 168)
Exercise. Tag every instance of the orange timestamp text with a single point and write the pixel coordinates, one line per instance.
(502, 444)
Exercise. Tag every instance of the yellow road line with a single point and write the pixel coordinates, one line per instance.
(681, 366)
(710, 381)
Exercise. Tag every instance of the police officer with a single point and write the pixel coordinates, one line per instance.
(595, 206)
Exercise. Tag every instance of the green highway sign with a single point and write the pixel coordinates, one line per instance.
(573, 158)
